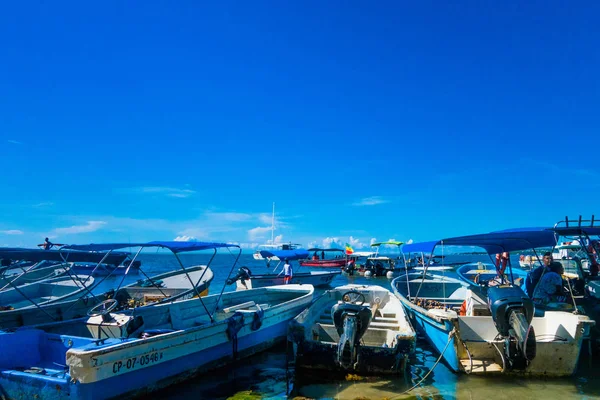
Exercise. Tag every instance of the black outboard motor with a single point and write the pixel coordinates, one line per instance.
(349, 268)
(512, 312)
(351, 322)
(243, 275)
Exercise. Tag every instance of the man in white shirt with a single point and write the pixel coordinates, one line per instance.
(287, 272)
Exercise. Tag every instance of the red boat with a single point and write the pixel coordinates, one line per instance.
(339, 261)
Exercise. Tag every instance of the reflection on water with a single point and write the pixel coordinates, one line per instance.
(264, 375)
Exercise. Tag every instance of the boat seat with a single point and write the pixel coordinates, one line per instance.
(385, 319)
(247, 304)
(385, 325)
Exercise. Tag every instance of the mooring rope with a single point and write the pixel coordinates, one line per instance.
(450, 336)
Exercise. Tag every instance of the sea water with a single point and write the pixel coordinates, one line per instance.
(263, 376)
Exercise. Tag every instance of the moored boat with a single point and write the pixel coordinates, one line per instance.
(245, 279)
(170, 286)
(338, 261)
(432, 302)
(115, 354)
(36, 295)
(499, 329)
(353, 328)
(487, 275)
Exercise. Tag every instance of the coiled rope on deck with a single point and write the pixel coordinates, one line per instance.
(450, 336)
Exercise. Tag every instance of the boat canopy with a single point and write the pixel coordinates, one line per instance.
(420, 247)
(389, 242)
(175, 247)
(494, 242)
(317, 249)
(298, 254)
(37, 255)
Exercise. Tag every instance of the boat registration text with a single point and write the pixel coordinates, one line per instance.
(133, 362)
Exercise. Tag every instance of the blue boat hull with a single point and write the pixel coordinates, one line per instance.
(437, 335)
(19, 385)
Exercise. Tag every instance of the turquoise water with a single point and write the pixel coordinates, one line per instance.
(264, 376)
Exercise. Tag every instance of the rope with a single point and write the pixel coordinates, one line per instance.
(572, 296)
(501, 356)
(470, 358)
(450, 336)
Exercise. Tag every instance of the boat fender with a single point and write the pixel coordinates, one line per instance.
(463, 309)
(257, 318)
(234, 324)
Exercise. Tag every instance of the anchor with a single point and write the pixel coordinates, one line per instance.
(351, 320)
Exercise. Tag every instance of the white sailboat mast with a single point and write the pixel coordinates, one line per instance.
(273, 225)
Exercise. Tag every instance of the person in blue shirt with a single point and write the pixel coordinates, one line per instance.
(550, 287)
(534, 276)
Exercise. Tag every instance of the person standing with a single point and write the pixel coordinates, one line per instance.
(48, 244)
(287, 272)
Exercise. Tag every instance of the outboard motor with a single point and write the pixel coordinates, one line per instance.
(349, 268)
(351, 322)
(512, 312)
(243, 274)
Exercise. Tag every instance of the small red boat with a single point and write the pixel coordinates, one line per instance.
(338, 261)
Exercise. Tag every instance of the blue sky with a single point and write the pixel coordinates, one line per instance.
(393, 120)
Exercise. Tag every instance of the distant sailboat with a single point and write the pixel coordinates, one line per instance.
(271, 245)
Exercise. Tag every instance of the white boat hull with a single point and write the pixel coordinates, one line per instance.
(384, 348)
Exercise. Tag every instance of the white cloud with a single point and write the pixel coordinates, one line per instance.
(168, 191)
(259, 232)
(312, 244)
(193, 232)
(43, 204)
(332, 242)
(373, 240)
(410, 241)
(278, 239)
(91, 226)
(371, 201)
(266, 219)
(185, 239)
(355, 243)
(12, 232)
(14, 141)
